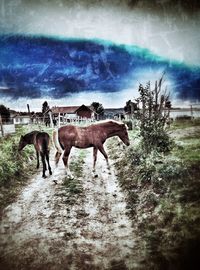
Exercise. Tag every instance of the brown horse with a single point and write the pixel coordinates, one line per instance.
(91, 136)
(41, 141)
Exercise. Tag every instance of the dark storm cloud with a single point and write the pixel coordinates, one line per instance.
(187, 6)
(56, 68)
(159, 6)
(39, 67)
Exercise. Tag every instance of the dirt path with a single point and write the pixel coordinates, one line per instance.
(43, 230)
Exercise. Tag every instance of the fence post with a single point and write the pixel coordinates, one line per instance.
(1, 126)
(58, 119)
(51, 120)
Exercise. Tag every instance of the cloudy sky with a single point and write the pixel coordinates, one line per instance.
(74, 52)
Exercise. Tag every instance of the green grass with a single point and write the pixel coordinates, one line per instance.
(181, 124)
(188, 150)
(15, 167)
(163, 194)
(73, 186)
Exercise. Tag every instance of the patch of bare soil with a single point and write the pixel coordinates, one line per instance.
(42, 230)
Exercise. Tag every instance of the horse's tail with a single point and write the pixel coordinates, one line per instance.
(57, 145)
(56, 142)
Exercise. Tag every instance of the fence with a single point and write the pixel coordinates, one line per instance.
(7, 129)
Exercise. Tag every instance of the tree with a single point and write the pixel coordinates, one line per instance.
(98, 108)
(130, 107)
(46, 118)
(154, 112)
(5, 113)
(45, 107)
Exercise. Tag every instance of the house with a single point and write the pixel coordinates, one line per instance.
(37, 117)
(22, 119)
(114, 113)
(131, 109)
(73, 112)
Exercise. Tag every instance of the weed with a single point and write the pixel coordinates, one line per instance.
(163, 194)
(73, 186)
(15, 167)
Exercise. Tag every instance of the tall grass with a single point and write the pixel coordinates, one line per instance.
(15, 167)
(163, 199)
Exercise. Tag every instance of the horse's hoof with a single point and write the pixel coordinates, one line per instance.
(50, 172)
(70, 176)
(55, 181)
(95, 175)
(44, 176)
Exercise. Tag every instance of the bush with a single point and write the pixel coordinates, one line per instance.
(152, 116)
(183, 118)
(129, 124)
(12, 163)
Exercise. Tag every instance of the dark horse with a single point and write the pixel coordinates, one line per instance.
(91, 136)
(41, 141)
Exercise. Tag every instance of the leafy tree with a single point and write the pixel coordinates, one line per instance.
(98, 108)
(45, 107)
(46, 118)
(154, 112)
(130, 107)
(5, 113)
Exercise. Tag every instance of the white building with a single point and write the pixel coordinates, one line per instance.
(21, 119)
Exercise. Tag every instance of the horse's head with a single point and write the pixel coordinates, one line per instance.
(22, 143)
(123, 135)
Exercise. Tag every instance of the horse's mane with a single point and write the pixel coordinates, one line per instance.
(109, 121)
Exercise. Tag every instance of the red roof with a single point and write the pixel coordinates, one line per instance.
(68, 109)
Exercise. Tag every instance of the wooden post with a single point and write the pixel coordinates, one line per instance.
(58, 119)
(191, 109)
(51, 120)
(1, 126)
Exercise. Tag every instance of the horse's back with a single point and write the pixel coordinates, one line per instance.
(42, 141)
(71, 135)
(68, 132)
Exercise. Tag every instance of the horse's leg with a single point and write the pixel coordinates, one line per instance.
(38, 162)
(101, 149)
(57, 157)
(95, 150)
(65, 160)
(44, 164)
(49, 167)
(94, 158)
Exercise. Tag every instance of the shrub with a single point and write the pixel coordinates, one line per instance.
(13, 164)
(129, 124)
(153, 113)
(183, 118)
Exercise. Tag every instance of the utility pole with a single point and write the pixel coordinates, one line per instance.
(28, 107)
(191, 109)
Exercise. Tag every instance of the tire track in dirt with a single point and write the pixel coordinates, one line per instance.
(41, 230)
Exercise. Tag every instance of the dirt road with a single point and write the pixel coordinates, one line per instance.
(44, 229)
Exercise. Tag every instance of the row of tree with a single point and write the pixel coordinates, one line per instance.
(5, 114)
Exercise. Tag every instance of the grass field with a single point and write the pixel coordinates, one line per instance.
(163, 191)
(15, 168)
(163, 197)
